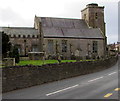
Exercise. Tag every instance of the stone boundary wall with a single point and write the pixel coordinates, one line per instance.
(8, 62)
(17, 77)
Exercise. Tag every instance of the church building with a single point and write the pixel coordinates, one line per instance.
(65, 37)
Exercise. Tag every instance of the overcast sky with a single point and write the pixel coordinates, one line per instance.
(20, 13)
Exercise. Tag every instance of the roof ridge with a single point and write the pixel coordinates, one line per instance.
(61, 18)
(72, 28)
(20, 27)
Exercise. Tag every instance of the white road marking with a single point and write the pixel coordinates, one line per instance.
(62, 90)
(112, 73)
(76, 85)
(95, 79)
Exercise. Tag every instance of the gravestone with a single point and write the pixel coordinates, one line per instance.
(36, 55)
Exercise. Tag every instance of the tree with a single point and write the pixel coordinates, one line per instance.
(15, 54)
(6, 45)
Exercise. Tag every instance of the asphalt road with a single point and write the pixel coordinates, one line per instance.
(99, 85)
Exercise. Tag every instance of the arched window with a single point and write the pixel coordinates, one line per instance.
(64, 45)
(95, 46)
(14, 36)
(28, 36)
(19, 36)
(35, 48)
(19, 48)
(33, 36)
(23, 36)
(50, 46)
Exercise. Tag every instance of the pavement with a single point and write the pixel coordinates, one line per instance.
(99, 85)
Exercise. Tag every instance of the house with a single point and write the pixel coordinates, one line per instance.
(113, 49)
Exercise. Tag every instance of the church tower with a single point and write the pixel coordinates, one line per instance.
(94, 16)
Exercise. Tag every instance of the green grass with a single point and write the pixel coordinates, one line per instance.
(40, 62)
(68, 61)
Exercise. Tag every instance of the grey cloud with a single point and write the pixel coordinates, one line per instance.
(9, 16)
(111, 17)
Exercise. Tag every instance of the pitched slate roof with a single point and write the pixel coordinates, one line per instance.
(20, 30)
(63, 22)
(58, 27)
(71, 28)
(72, 33)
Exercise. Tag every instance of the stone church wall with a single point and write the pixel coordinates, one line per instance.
(27, 44)
(24, 43)
(73, 45)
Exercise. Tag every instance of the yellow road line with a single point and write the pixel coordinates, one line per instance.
(117, 89)
(108, 95)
